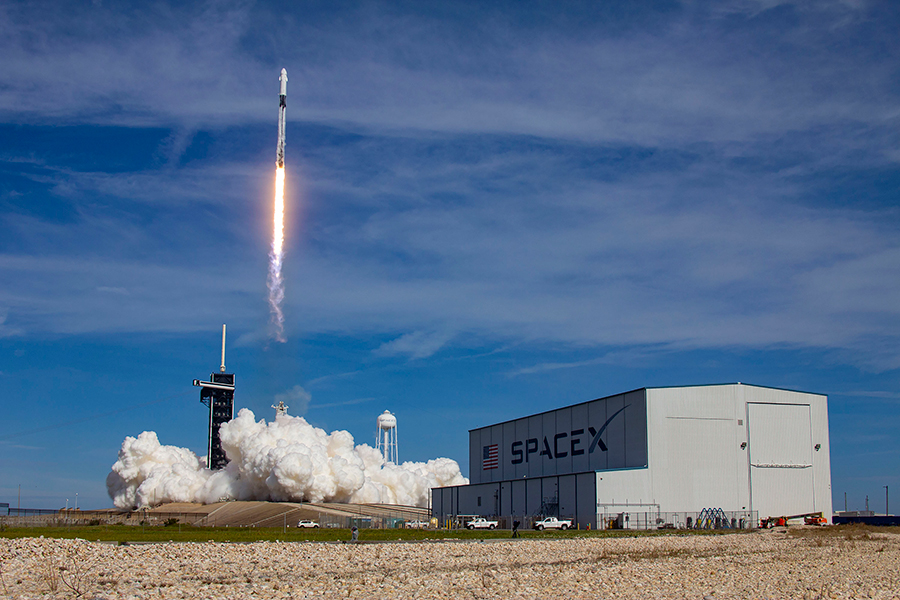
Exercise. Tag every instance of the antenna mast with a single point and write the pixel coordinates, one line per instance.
(222, 368)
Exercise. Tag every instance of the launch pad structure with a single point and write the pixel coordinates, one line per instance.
(218, 395)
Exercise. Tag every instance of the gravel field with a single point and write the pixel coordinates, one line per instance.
(765, 564)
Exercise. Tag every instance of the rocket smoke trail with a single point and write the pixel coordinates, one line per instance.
(276, 283)
(276, 256)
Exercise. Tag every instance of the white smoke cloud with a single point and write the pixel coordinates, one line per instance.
(286, 460)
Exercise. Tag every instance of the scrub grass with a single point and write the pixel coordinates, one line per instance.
(124, 534)
(852, 531)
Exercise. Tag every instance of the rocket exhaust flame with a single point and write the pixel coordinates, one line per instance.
(275, 281)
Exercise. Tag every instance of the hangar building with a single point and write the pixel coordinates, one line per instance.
(657, 454)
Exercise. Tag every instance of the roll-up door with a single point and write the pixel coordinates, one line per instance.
(780, 454)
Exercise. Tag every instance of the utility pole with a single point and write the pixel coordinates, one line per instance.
(886, 512)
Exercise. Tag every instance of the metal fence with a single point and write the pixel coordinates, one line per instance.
(645, 520)
(384, 518)
(362, 522)
(704, 519)
(73, 518)
(503, 521)
(372, 517)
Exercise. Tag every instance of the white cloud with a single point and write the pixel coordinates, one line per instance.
(5, 329)
(555, 366)
(702, 257)
(418, 344)
(187, 68)
(669, 197)
(113, 290)
(296, 398)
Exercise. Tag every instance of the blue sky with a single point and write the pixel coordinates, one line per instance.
(493, 209)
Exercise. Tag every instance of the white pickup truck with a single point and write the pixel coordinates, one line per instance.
(552, 523)
(481, 523)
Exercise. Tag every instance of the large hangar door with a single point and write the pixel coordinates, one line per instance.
(781, 474)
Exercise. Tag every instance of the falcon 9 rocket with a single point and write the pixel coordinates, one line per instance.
(275, 282)
(282, 104)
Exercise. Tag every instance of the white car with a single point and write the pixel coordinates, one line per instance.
(481, 523)
(417, 524)
(552, 523)
(309, 524)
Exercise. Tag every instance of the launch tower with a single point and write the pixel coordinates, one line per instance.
(218, 395)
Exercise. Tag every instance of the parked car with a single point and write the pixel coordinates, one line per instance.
(481, 523)
(310, 524)
(552, 523)
(416, 524)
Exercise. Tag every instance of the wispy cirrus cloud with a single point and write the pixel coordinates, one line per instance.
(541, 251)
(418, 344)
(669, 184)
(471, 186)
(663, 86)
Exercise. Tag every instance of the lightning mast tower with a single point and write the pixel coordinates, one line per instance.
(218, 395)
(386, 437)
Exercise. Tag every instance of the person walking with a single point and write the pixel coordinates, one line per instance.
(515, 529)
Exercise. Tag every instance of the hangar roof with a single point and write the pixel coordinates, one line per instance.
(658, 387)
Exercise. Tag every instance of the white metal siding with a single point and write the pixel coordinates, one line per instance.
(696, 459)
(781, 451)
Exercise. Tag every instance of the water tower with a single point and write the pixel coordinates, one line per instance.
(386, 437)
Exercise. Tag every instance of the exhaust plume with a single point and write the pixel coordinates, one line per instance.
(275, 282)
(285, 460)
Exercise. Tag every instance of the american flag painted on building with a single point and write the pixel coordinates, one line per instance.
(491, 458)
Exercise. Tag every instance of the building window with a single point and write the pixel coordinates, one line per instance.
(479, 500)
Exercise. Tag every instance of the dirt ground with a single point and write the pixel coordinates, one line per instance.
(797, 563)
